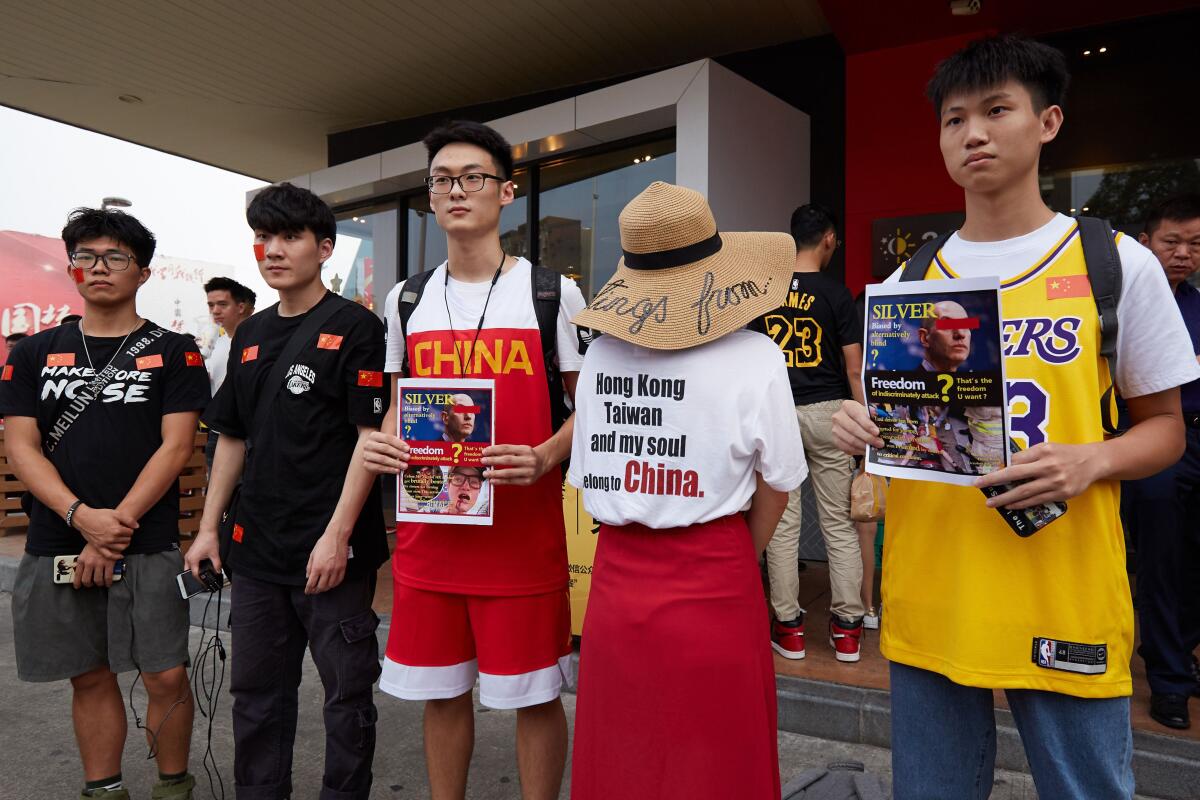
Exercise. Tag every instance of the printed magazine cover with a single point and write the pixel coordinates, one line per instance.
(934, 379)
(447, 424)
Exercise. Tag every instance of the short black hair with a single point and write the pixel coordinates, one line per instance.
(985, 63)
(86, 224)
(810, 222)
(13, 338)
(476, 133)
(286, 208)
(1181, 207)
(239, 293)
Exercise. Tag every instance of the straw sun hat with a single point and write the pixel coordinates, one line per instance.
(681, 283)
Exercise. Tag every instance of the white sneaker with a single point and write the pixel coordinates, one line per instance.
(871, 618)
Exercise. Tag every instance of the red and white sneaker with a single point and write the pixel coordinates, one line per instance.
(787, 638)
(845, 640)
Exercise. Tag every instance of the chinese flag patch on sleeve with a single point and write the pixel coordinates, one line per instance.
(192, 360)
(249, 354)
(1064, 286)
(150, 362)
(329, 341)
(6, 373)
(60, 360)
(238, 533)
(368, 378)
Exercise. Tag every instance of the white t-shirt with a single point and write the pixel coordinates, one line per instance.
(218, 362)
(512, 296)
(670, 438)
(1154, 350)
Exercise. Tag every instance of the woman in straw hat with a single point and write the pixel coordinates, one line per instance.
(685, 446)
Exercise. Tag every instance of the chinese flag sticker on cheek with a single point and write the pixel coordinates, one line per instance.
(249, 354)
(260, 252)
(60, 360)
(77, 274)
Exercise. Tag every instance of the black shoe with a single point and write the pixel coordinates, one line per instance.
(1170, 710)
(1196, 677)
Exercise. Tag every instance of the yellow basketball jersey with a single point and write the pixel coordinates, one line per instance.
(964, 595)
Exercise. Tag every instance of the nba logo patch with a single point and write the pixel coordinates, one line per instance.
(795, 284)
(1045, 656)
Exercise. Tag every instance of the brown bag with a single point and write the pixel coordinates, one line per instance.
(868, 497)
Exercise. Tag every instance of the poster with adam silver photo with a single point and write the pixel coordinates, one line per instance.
(933, 379)
(447, 423)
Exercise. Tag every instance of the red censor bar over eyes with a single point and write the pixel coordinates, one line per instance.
(467, 409)
(956, 323)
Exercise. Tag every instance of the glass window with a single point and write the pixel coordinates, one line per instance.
(364, 261)
(427, 242)
(1123, 194)
(580, 201)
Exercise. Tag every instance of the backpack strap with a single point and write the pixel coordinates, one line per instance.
(547, 297)
(410, 296)
(917, 267)
(1105, 276)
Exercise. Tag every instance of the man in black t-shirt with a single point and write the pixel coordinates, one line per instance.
(818, 331)
(306, 532)
(100, 419)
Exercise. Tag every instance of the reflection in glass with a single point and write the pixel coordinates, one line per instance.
(364, 261)
(427, 242)
(579, 204)
(1123, 194)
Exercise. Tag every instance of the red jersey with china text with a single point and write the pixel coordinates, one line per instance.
(524, 550)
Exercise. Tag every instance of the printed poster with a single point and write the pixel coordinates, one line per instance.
(447, 424)
(934, 379)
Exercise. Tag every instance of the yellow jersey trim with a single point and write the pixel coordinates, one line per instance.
(1027, 275)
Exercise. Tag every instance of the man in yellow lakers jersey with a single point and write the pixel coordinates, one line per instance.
(971, 606)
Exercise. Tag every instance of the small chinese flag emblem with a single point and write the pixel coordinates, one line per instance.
(238, 533)
(60, 360)
(149, 362)
(260, 252)
(249, 354)
(192, 359)
(1063, 286)
(6, 373)
(328, 341)
(369, 378)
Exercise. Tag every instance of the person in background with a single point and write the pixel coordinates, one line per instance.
(229, 302)
(1161, 511)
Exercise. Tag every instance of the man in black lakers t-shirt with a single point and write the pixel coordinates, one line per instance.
(817, 330)
(307, 532)
(100, 419)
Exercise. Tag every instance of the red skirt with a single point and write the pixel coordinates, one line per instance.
(676, 680)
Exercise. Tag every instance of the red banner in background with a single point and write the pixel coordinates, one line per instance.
(37, 291)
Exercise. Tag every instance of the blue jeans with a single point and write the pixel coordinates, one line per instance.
(944, 740)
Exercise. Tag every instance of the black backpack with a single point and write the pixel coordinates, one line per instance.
(546, 296)
(841, 780)
(1104, 275)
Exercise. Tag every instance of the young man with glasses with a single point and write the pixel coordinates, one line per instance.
(1161, 511)
(306, 534)
(973, 607)
(100, 418)
(486, 602)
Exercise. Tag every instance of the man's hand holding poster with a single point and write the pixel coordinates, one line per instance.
(934, 379)
(447, 424)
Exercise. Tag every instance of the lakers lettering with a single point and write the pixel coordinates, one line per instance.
(1054, 341)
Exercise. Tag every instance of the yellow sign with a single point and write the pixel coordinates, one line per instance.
(581, 551)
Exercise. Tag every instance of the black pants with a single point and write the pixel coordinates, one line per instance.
(271, 625)
(1163, 516)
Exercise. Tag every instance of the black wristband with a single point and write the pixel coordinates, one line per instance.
(70, 517)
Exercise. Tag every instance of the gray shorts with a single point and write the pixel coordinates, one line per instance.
(141, 622)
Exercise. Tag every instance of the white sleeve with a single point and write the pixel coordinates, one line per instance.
(776, 430)
(567, 345)
(1154, 349)
(394, 361)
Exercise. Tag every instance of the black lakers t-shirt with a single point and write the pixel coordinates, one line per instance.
(296, 465)
(100, 451)
(816, 321)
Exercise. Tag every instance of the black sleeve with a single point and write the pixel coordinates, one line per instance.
(185, 387)
(19, 381)
(848, 327)
(222, 414)
(363, 356)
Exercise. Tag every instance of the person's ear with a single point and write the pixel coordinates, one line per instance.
(1051, 120)
(1144, 239)
(324, 250)
(144, 276)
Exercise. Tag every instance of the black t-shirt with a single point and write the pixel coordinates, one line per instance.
(105, 447)
(815, 322)
(296, 465)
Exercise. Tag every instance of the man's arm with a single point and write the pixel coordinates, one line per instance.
(852, 354)
(385, 453)
(107, 530)
(228, 463)
(766, 509)
(523, 465)
(327, 562)
(1056, 472)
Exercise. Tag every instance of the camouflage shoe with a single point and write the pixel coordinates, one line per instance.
(180, 789)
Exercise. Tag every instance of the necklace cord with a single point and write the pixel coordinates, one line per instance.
(465, 368)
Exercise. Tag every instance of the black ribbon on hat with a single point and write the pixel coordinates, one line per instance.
(676, 257)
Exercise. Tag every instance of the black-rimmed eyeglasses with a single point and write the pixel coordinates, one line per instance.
(115, 261)
(468, 182)
(470, 480)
